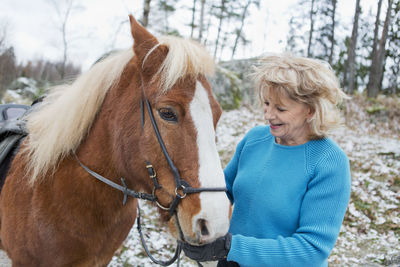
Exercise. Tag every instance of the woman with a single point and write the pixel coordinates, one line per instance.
(289, 183)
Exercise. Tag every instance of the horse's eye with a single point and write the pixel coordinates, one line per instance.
(168, 114)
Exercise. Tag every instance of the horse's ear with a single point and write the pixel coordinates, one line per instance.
(143, 40)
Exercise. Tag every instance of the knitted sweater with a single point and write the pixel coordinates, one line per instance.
(289, 201)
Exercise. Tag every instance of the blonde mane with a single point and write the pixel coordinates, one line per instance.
(185, 57)
(59, 124)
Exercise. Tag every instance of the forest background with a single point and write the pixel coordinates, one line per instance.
(360, 39)
(363, 50)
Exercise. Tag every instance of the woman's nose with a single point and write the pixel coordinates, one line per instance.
(268, 113)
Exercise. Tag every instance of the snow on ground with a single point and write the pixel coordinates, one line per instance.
(371, 230)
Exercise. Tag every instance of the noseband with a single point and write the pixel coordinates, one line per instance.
(182, 188)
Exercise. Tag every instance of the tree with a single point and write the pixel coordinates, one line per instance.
(363, 49)
(64, 10)
(378, 57)
(311, 32)
(296, 40)
(376, 28)
(302, 27)
(332, 35)
(324, 29)
(231, 19)
(7, 60)
(3, 34)
(161, 16)
(393, 55)
(351, 52)
(243, 17)
(7, 69)
(193, 24)
(201, 21)
(221, 15)
(146, 12)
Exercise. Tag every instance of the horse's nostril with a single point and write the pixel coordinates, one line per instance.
(202, 224)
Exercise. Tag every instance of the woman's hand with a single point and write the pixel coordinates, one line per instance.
(214, 251)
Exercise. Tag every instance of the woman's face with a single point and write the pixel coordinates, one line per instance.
(287, 119)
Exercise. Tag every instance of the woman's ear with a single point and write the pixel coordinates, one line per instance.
(310, 113)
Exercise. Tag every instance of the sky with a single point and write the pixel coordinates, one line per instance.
(95, 27)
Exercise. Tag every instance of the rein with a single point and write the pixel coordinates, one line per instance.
(182, 188)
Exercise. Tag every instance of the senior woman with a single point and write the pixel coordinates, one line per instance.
(289, 182)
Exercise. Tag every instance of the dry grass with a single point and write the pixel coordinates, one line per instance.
(379, 116)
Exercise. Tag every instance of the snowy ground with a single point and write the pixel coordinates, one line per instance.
(370, 235)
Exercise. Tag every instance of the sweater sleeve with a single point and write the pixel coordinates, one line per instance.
(231, 170)
(321, 215)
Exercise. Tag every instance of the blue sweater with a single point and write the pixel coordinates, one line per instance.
(289, 201)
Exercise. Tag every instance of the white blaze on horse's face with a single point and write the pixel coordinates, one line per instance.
(213, 218)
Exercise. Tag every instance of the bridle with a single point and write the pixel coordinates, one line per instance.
(182, 188)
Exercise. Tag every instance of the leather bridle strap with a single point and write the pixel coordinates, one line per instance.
(178, 249)
(177, 177)
(124, 189)
(182, 187)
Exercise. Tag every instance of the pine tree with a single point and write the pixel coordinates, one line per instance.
(325, 23)
(393, 55)
(351, 52)
(161, 14)
(378, 57)
(239, 31)
(301, 28)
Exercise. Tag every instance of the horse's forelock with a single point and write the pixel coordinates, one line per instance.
(184, 58)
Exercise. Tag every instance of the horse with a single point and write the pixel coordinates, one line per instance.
(146, 114)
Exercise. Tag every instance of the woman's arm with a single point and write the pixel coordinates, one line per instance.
(231, 169)
(321, 216)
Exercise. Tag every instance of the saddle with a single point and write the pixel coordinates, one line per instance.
(12, 132)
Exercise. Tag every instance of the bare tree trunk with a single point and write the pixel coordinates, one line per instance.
(201, 22)
(239, 32)
(193, 16)
(221, 18)
(332, 36)
(64, 38)
(64, 16)
(146, 12)
(351, 52)
(207, 30)
(376, 69)
(65, 43)
(376, 30)
(393, 50)
(3, 35)
(311, 28)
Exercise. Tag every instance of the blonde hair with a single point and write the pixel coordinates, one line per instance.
(185, 57)
(305, 80)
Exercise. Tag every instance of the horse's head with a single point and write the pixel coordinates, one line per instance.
(170, 74)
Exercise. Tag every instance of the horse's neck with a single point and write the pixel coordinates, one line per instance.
(102, 152)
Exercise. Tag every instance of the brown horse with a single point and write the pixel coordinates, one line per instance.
(54, 213)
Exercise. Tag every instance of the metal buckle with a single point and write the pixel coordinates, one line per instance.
(158, 203)
(181, 187)
(151, 170)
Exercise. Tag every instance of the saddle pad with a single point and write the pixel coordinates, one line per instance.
(8, 148)
(11, 135)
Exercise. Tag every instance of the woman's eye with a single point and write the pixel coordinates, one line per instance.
(266, 103)
(280, 109)
(168, 114)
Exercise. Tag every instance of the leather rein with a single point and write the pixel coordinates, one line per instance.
(182, 188)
